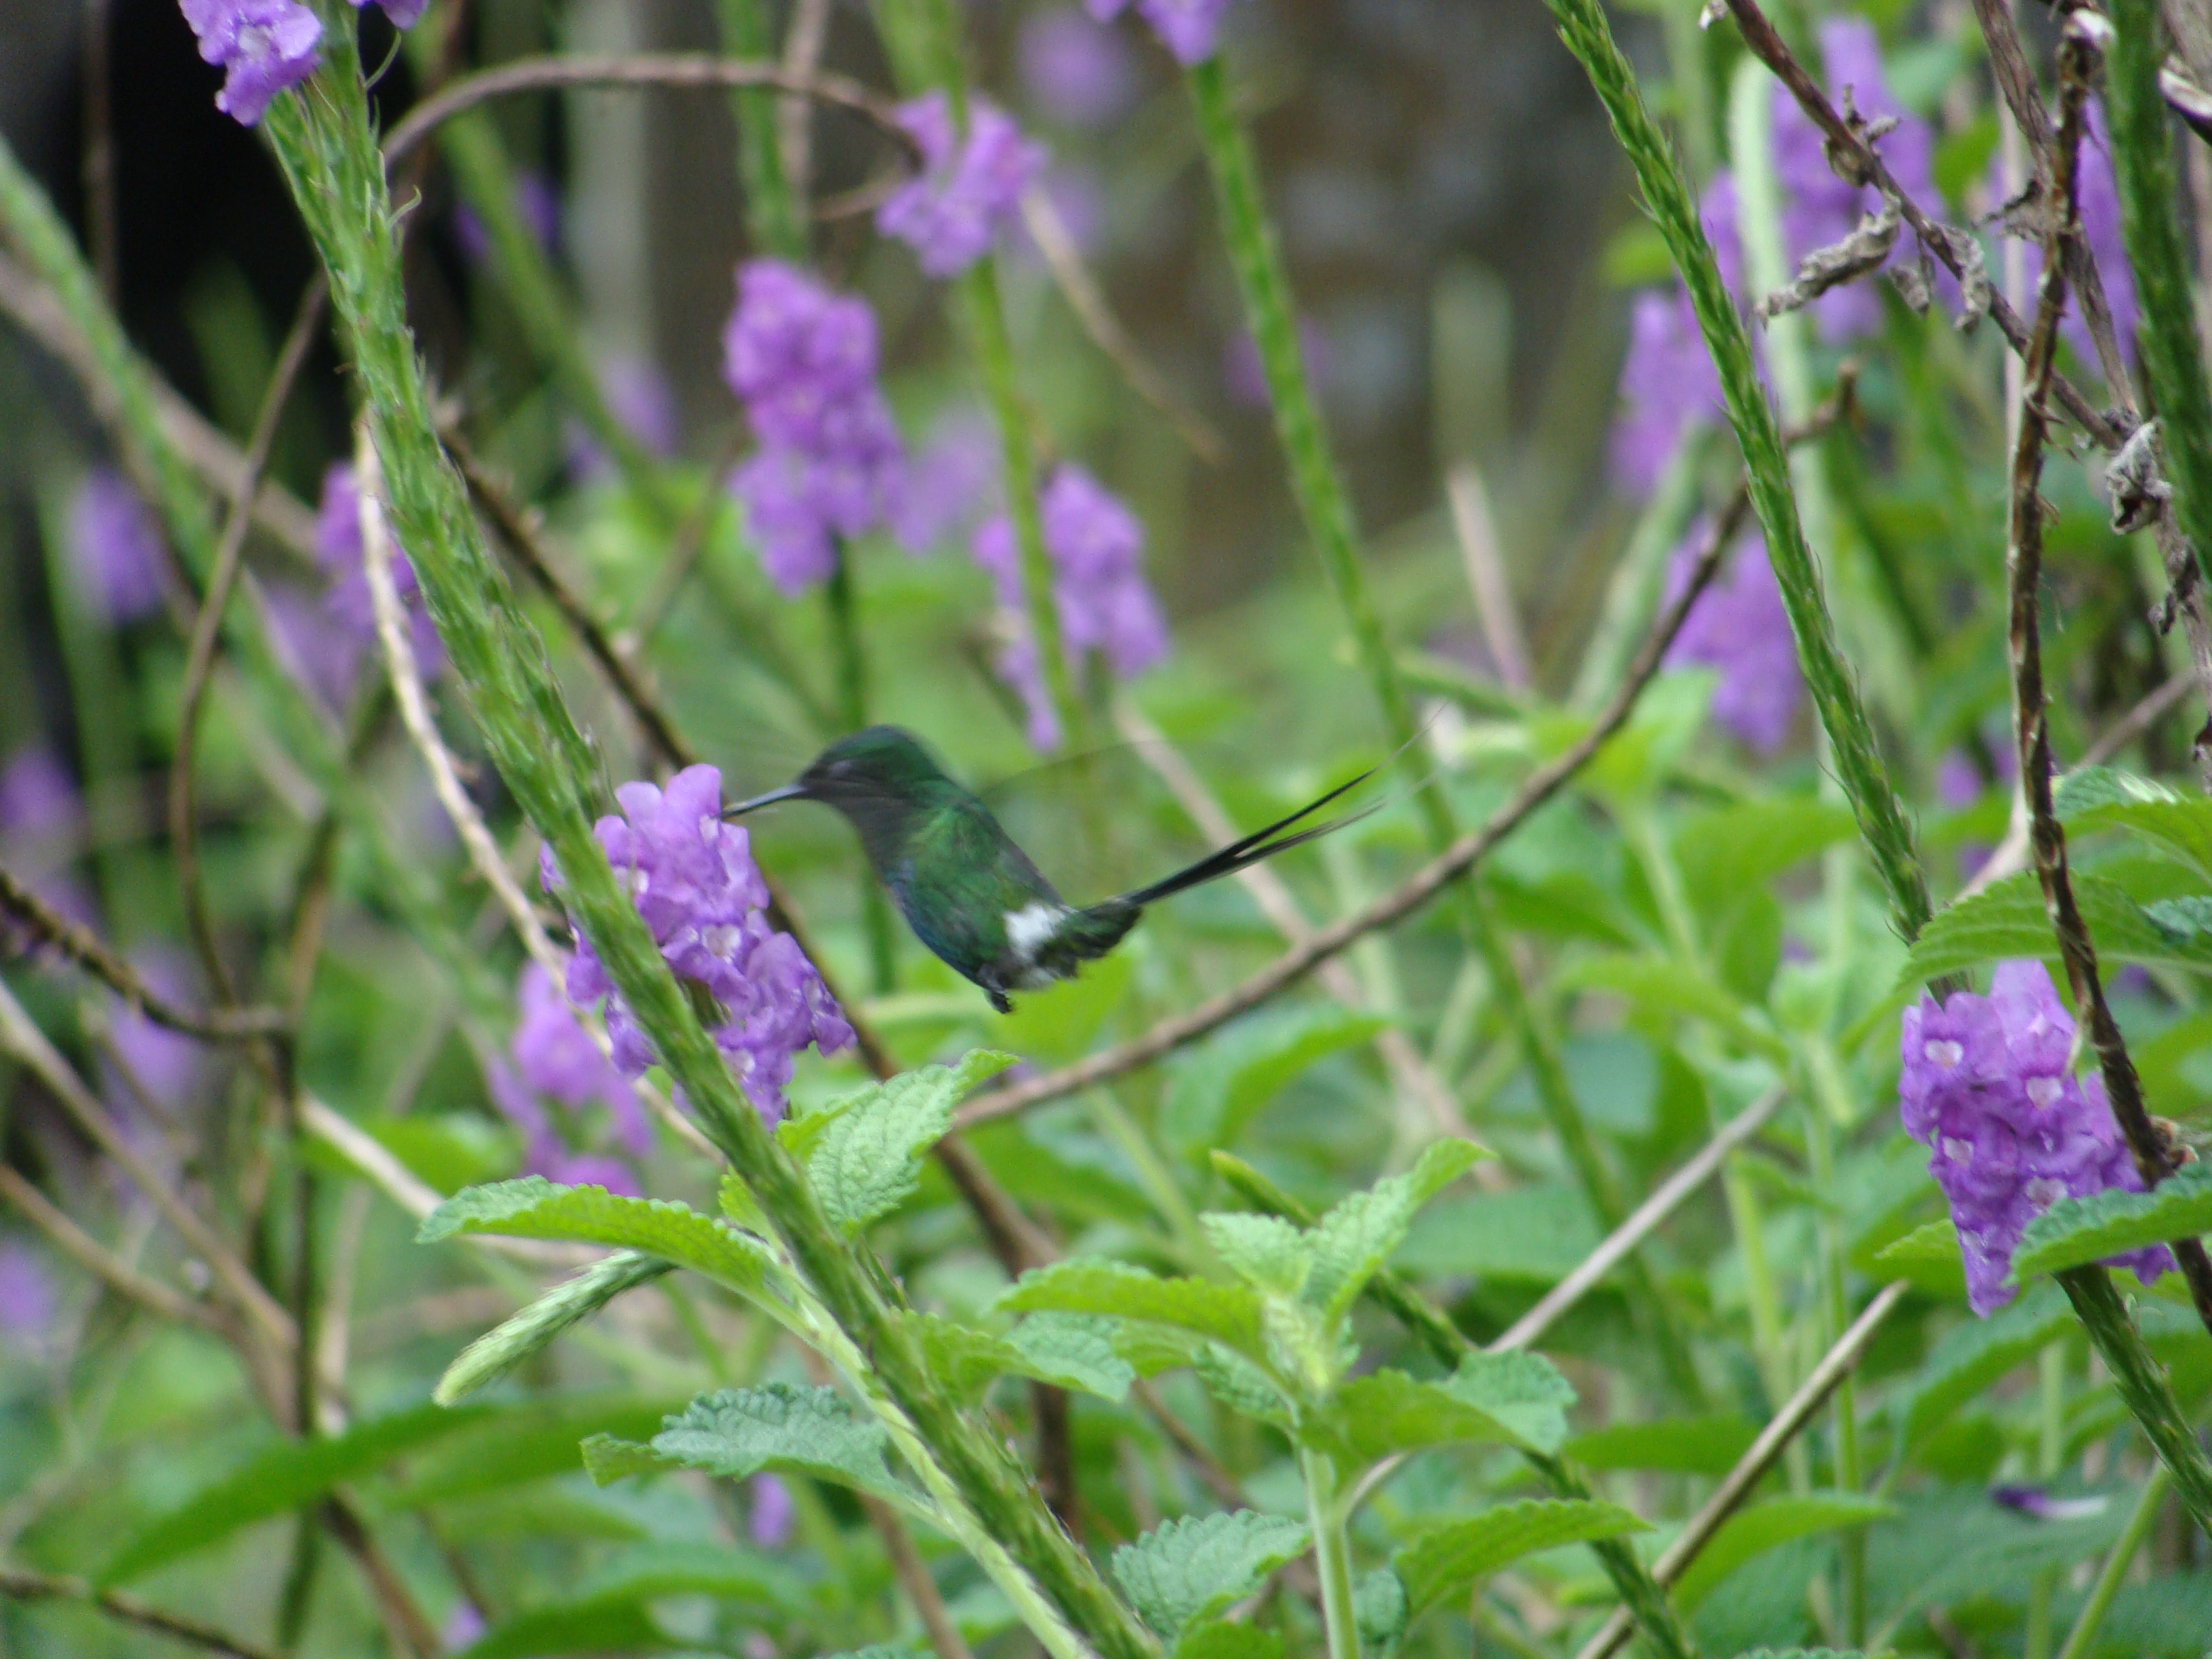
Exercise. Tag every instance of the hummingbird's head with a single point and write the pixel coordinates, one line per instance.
(859, 776)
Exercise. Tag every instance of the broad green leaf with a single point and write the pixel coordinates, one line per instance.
(1371, 1417)
(1524, 1391)
(964, 1360)
(534, 1207)
(1215, 1091)
(1225, 1638)
(684, 1567)
(523, 1444)
(1227, 1313)
(739, 1207)
(737, 1432)
(1267, 1252)
(1191, 1568)
(2006, 919)
(1242, 1386)
(1685, 1445)
(1973, 1355)
(1534, 1234)
(1447, 1560)
(1074, 1351)
(573, 1627)
(1380, 1612)
(863, 1156)
(2099, 797)
(1759, 1526)
(1803, 1653)
(1730, 852)
(1352, 1241)
(608, 1458)
(1929, 1257)
(2074, 1231)
(507, 1344)
(284, 1478)
(1672, 990)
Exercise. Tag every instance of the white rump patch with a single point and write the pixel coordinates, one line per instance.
(1030, 928)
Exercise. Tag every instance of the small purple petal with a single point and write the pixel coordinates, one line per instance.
(1739, 627)
(115, 547)
(969, 186)
(264, 46)
(347, 601)
(1075, 70)
(774, 1515)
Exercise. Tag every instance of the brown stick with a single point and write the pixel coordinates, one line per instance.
(21, 1584)
(914, 1576)
(2031, 726)
(1835, 1365)
(1394, 906)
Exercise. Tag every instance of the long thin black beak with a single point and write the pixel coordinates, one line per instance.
(789, 791)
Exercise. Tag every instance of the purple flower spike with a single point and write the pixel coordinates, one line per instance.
(347, 602)
(1075, 70)
(555, 1055)
(1986, 1088)
(695, 883)
(948, 484)
(264, 46)
(968, 188)
(1739, 627)
(802, 360)
(1097, 547)
(404, 14)
(115, 547)
(774, 1514)
(1189, 28)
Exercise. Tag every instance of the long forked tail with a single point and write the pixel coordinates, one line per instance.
(1258, 845)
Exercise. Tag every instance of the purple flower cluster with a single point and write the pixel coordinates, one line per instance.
(1075, 70)
(115, 547)
(1189, 28)
(1739, 627)
(552, 1056)
(693, 881)
(802, 360)
(1987, 1089)
(346, 601)
(1098, 548)
(1667, 382)
(948, 484)
(968, 187)
(264, 47)
(1822, 209)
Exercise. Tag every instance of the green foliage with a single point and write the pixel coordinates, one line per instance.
(1068, 1351)
(1227, 1313)
(737, 1432)
(1446, 1560)
(2006, 918)
(534, 1207)
(2074, 1231)
(1510, 1399)
(1214, 1093)
(1687, 1445)
(506, 1345)
(1189, 1569)
(1767, 1523)
(1972, 1356)
(863, 1155)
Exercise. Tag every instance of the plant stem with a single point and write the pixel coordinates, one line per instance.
(323, 141)
(853, 711)
(1332, 1554)
(1857, 759)
(2142, 1386)
(771, 213)
(2142, 159)
(2082, 1638)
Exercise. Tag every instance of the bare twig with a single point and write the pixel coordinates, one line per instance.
(1835, 1365)
(184, 812)
(808, 33)
(88, 1253)
(1402, 901)
(2139, 720)
(1632, 1232)
(21, 1584)
(85, 948)
(2031, 726)
(1477, 529)
(944, 1638)
(1089, 303)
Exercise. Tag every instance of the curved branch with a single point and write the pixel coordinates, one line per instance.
(21, 1584)
(690, 70)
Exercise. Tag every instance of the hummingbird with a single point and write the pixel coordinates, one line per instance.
(969, 893)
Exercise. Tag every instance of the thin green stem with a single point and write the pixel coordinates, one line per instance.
(771, 211)
(323, 142)
(1857, 759)
(1822, 1098)
(2143, 157)
(2143, 1385)
(851, 652)
(1332, 1554)
(2113, 1573)
(2050, 1456)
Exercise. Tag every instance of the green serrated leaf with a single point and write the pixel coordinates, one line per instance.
(1227, 1313)
(1215, 1091)
(1267, 1252)
(1358, 1235)
(668, 1566)
(2074, 1231)
(506, 1344)
(608, 1458)
(737, 1432)
(1524, 1391)
(2007, 919)
(1448, 1560)
(1380, 1612)
(534, 1207)
(1972, 1356)
(284, 1478)
(1193, 1567)
(1933, 1241)
(739, 1207)
(524, 1445)
(1223, 1638)
(1761, 1526)
(863, 1156)
(1073, 1351)
(2100, 798)
(1242, 1386)
(1685, 1445)
(964, 1360)
(1371, 1417)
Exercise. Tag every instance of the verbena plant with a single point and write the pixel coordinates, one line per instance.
(1192, 1308)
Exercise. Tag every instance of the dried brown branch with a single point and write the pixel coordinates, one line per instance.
(85, 948)
(913, 1573)
(1393, 907)
(2155, 1159)
(1835, 1365)
(22, 1584)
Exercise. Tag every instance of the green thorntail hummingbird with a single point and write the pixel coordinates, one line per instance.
(966, 890)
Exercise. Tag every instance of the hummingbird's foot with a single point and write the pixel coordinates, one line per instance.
(999, 1000)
